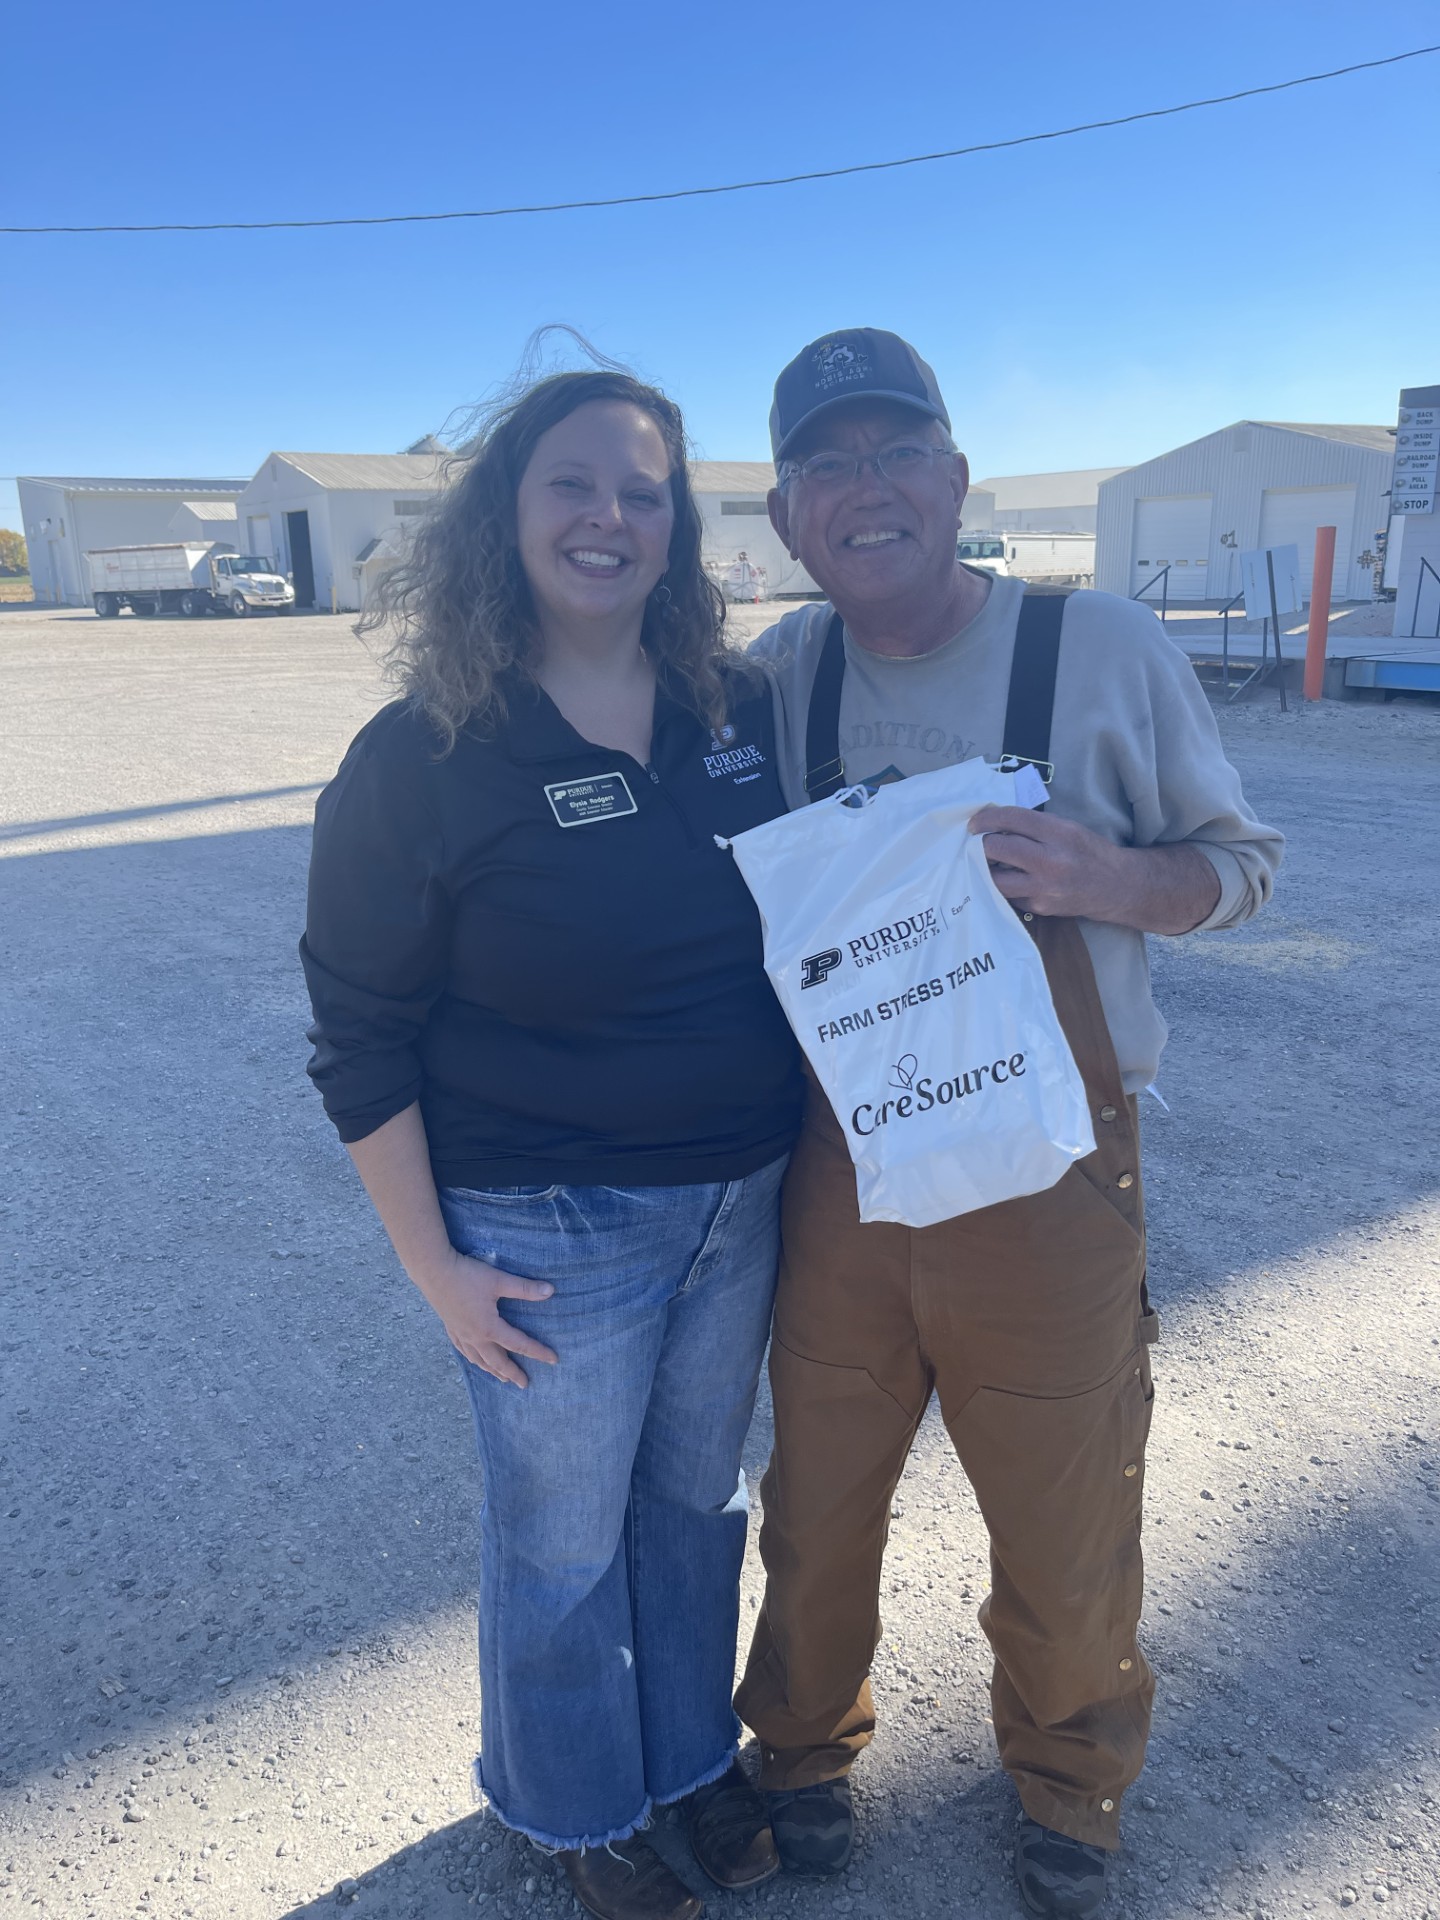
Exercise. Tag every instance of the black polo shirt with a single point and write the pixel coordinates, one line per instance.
(539, 939)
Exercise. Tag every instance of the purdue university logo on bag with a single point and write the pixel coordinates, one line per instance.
(815, 967)
(931, 1029)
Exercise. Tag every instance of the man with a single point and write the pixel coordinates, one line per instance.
(1030, 1319)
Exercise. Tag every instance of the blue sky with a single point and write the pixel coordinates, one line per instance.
(1086, 302)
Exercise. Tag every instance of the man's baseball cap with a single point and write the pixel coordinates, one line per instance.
(860, 363)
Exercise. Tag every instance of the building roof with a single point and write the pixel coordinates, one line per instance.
(210, 509)
(1374, 439)
(1382, 438)
(1077, 488)
(732, 476)
(383, 544)
(368, 472)
(84, 484)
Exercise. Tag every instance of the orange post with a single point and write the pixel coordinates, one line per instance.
(1319, 628)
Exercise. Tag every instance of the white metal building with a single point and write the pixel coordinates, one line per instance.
(1258, 483)
(1048, 502)
(978, 515)
(731, 497)
(210, 520)
(321, 516)
(66, 518)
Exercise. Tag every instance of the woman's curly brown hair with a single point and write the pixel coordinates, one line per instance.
(458, 608)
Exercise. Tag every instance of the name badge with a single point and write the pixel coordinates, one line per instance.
(604, 796)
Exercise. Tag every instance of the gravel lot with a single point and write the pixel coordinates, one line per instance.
(237, 1673)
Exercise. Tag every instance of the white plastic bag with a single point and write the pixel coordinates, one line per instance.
(918, 996)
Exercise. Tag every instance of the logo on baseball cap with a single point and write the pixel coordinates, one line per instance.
(860, 363)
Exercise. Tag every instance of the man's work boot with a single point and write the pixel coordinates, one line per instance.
(627, 1881)
(730, 1831)
(814, 1827)
(1058, 1875)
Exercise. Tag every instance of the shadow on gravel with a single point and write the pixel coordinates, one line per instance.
(1299, 1686)
(1297, 1694)
(33, 829)
(1302, 1054)
(50, 610)
(440, 1876)
(232, 1440)
(234, 1446)
(1299, 1095)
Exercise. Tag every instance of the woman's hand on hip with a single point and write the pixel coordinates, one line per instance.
(394, 1163)
(466, 1294)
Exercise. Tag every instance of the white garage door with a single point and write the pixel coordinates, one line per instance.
(1291, 514)
(1173, 531)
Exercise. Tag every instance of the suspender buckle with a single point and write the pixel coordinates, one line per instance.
(822, 776)
(1012, 763)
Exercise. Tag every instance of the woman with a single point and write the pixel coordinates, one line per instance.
(543, 1031)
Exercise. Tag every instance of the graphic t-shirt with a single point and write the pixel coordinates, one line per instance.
(1137, 755)
(899, 717)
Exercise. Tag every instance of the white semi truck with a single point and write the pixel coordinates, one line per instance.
(185, 578)
(1056, 559)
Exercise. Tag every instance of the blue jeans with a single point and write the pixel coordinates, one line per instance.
(613, 1524)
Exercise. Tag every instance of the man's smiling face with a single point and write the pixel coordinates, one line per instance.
(875, 537)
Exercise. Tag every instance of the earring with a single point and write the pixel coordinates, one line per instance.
(663, 595)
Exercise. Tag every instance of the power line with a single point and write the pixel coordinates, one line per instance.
(743, 186)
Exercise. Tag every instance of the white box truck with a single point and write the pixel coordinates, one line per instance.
(185, 578)
(1056, 559)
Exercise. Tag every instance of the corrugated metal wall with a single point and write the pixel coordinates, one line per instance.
(89, 520)
(1236, 466)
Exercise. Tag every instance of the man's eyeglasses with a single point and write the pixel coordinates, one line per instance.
(903, 461)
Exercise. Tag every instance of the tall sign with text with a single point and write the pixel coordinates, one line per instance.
(1417, 451)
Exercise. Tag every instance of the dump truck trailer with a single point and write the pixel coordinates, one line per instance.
(1057, 559)
(187, 578)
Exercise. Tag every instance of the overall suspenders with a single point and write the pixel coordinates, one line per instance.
(1028, 711)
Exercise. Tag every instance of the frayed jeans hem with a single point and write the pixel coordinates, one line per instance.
(711, 1774)
(558, 1843)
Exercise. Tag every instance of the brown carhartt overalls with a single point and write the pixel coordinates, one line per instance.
(1031, 1322)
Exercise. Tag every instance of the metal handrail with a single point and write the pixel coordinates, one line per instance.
(1425, 567)
(1164, 574)
(1264, 667)
(1225, 635)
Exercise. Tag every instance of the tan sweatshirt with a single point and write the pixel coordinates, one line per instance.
(1136, 750)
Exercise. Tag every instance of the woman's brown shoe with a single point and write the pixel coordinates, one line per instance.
(730, 1832)
(628, 1881)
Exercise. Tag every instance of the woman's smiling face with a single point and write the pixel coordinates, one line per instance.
(594, 514)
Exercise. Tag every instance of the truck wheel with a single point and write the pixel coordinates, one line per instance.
(107, 606)
(192, 605)
(238, 605)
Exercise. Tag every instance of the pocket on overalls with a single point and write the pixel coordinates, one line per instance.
(1060, 1484)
